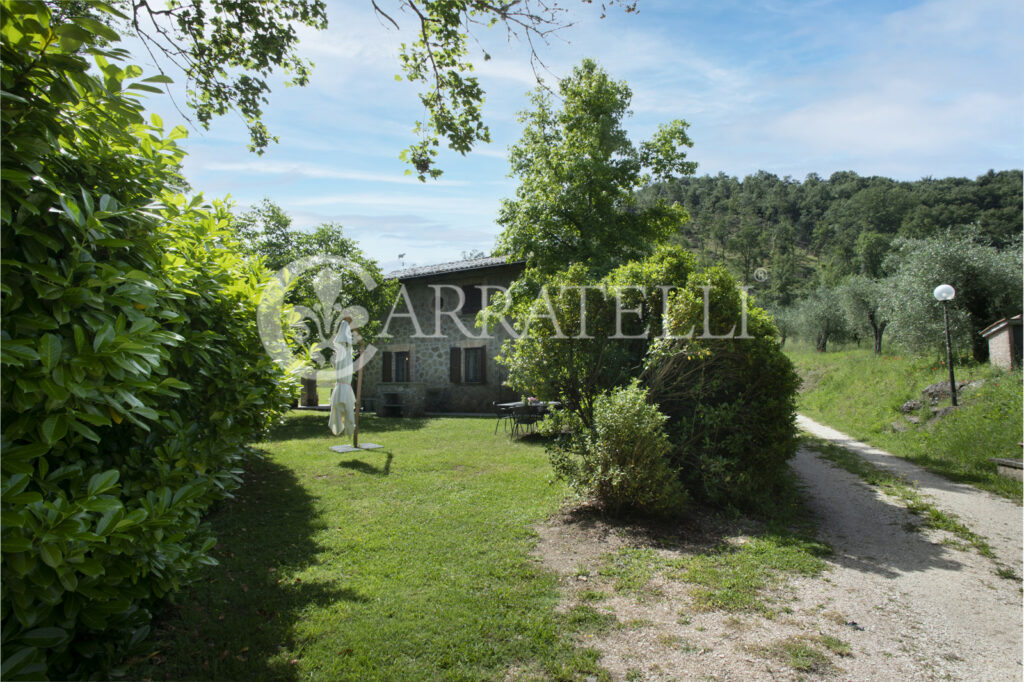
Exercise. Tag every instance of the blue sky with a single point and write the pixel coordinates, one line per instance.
(902, 89)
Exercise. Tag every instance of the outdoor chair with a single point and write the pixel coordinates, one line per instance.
(504, 415)
(524, 419)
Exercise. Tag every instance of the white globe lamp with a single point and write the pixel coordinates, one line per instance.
(944, 294)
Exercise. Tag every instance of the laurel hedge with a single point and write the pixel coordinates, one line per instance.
(131, 374)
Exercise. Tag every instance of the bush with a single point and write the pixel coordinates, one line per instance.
(730, 401)
(132, 371)
(620, 463)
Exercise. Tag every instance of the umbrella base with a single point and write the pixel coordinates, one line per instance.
(352, 448)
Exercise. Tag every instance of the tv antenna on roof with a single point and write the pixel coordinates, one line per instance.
(401, 257)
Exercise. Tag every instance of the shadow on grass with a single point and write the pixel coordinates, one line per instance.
(298, 425)
(823, 513)
(371, 423)
(365, 468)
(235, 621)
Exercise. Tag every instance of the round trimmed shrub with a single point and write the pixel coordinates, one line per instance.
(730, 402)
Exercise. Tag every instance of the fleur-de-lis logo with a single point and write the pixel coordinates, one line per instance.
(312, 328)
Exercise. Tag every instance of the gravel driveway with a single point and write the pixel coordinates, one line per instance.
(928, 611)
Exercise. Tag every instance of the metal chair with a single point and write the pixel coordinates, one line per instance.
(524, 418)
(504, 415)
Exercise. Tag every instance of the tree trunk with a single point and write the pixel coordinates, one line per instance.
(878, 329)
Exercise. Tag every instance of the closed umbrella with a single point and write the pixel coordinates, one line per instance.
(343, 400)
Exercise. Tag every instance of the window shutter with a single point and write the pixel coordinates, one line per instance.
(483, 364)
(455, 367)
(387, 364)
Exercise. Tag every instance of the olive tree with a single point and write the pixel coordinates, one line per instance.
(987, 282)
(866, 303)
(820, 318)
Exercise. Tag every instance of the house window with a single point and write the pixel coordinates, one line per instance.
(469, 365)
(396, 366)
(473, 299)
(403, 367)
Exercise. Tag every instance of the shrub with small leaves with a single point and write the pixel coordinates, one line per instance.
(621, 462)
(728, 391)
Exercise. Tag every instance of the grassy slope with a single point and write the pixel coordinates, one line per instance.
(368, 566)
(859, 394)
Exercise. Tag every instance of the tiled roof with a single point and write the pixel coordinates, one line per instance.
(999, 324)
(454, 266)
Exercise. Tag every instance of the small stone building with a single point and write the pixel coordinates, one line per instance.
(434, 358)
(1005, 342)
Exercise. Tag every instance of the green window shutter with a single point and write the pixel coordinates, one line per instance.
(387, 364)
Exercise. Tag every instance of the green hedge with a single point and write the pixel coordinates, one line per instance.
(132, 374)
(731, 402)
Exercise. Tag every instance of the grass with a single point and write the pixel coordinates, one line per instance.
(586, 619)
(736, 578)
(729, 577)
(410, 562)
(836, 645)
(801, 654)
(860, 394)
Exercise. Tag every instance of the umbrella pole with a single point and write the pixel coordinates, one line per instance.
(359, 393)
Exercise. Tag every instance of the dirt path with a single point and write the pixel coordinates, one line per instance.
(909, 604)
(996, 518)
(928, 611)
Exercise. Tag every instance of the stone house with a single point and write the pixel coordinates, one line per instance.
(434, 358)
(1004, 342)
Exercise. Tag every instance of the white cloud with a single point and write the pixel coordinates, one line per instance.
(887, 120)
(442, 204)
(927, 92)
(312, 170)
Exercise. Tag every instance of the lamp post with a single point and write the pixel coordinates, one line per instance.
(944, 294)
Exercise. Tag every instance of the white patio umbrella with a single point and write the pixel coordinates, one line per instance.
(343, 400)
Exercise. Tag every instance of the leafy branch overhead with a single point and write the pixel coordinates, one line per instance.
(440, 60)
(229, 50)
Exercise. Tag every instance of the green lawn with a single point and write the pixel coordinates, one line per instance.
(860, 394)
(410, 562)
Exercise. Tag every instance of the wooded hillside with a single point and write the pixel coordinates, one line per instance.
(818, 231)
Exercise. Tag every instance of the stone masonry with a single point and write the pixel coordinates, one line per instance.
(431, 384)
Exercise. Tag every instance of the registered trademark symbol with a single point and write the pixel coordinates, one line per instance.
(761, 275)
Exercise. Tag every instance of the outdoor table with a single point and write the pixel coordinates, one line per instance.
(522, 414)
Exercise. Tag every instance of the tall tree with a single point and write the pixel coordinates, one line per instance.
(266, 232)
(578, 172)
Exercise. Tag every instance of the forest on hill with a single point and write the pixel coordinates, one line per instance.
(843, 258)
(819, 231)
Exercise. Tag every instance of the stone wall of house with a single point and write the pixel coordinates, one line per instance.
(431, 388)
